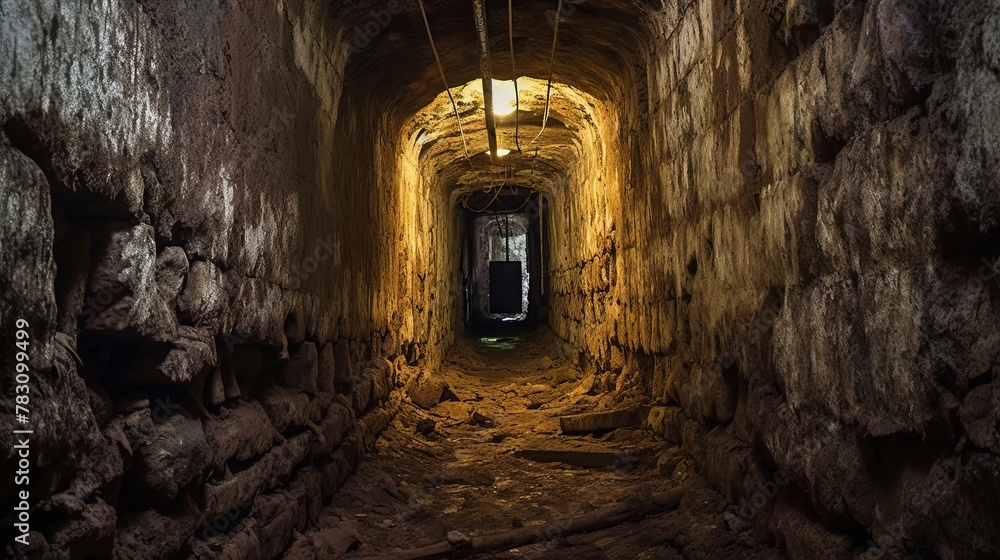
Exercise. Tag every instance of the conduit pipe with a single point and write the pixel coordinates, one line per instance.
(479, 7)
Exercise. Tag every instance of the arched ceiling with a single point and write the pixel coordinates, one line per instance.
(541, 164)
(596, 68)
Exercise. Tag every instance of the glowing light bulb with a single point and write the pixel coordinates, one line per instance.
(504, 97)
(500, 152)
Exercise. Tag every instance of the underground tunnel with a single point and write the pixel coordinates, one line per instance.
(549, 279)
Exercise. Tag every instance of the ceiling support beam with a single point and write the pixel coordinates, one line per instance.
(484, 64)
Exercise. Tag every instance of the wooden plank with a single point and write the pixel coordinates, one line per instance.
(599, 421)
(537, 534)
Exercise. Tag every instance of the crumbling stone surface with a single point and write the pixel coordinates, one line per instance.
(194, 351)
(777, 220)
(243, 434)
(169, 454)
(326, 374)
(302, 369)
(158, 226)
(343, 364)
(123, 288)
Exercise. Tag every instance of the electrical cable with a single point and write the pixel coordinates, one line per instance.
(465, 201)
(454, 105)
(527, 199)
(513, 73)
(506, 235)
(552, 60)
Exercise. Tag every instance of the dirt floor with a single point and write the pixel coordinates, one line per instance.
(483, 469)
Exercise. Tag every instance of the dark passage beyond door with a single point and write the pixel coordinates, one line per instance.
(505, 287)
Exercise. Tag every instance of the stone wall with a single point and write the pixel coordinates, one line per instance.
(210, 277)
(795, 264)
(778, 220)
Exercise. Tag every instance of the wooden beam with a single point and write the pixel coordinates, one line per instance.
(538, 534)
(599, 421)
(487, 72)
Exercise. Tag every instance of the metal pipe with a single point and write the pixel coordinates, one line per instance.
(484, 64)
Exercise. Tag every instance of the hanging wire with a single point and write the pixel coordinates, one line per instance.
(487, 190)
(440, 67)
(506, 236)
(527, 199)
(513, 73)
(465, 201)
(552, 60)
(496, 222)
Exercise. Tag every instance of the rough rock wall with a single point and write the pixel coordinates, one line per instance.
(802, 249)
(208, 275)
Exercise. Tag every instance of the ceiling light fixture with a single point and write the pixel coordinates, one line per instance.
(504, 97)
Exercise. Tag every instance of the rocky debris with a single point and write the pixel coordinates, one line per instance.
(481, 420)
(668, 461)
(469, 478)
(461, 476)
(335, 540)
(513, 538)
(426, 390)
(585, 386)
(425, 426)
(458, 539)
(454, 411)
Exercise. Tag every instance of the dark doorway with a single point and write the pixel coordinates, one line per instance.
(502, 261)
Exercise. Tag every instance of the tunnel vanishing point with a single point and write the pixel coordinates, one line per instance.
(529, 279)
